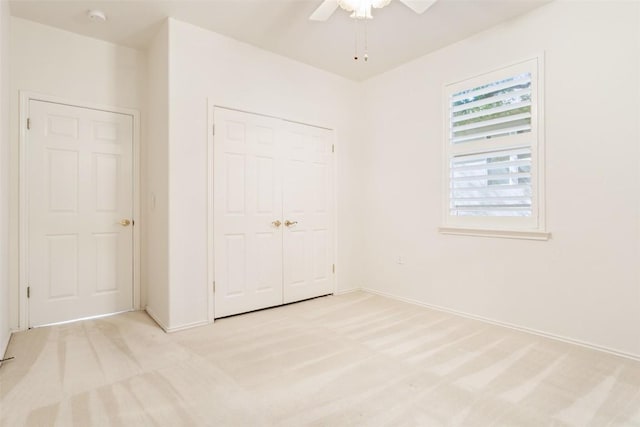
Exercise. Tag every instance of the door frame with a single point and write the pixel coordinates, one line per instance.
(211, 106)
(25, 98)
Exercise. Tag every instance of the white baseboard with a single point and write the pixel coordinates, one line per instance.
(187, 326)
(347, 291)
(509, 325)
(4, 345)
(175, 328)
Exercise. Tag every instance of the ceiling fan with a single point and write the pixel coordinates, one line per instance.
(361, 9)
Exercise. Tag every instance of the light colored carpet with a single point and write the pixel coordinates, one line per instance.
(354, 359)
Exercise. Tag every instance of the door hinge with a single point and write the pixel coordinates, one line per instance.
(28, 291)
(214, 287)
(28, 123)
(213, 130)
(333, 148)
(133, 222)
(334, 269)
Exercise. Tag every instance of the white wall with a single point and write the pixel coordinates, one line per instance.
(155, 192)
(4, 176)
(54, 62)
(204, 64)
(582, 284)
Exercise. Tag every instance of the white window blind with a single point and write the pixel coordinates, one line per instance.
(492, 110)
(492, 149)
(491, 184)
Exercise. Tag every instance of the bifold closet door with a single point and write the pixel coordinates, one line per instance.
(307, 212)
(247, 212)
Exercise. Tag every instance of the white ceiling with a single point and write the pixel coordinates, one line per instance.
(396, 34)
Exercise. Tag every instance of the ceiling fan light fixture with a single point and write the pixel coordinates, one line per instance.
(361, 11)
(362, 8)
(97, 15)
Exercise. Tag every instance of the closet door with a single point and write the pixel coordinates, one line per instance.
(247, 212)
(307, 208)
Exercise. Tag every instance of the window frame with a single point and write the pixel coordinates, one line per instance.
(533, 227)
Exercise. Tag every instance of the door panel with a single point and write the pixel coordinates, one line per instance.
(62, 266)
(79, 187)
(247, 200)
(308, 243)
(105, 167)
(63, 169)
(235, 270)
(106, 245)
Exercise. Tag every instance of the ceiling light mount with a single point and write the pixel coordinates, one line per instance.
(96, 15)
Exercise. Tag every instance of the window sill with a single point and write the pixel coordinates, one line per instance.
(504, 234)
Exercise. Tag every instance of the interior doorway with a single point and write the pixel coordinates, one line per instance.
(78, 210)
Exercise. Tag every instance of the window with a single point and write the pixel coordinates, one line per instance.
(493, 152)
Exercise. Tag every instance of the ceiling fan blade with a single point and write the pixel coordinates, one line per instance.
(418, 6)
(324, 11)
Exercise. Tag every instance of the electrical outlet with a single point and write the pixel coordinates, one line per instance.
(400, 260)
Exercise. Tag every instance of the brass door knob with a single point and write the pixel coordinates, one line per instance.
(276, 223)
(290, 223)
(125, 222)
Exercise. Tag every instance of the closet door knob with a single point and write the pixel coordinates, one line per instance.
(290, 223)
(276, 223)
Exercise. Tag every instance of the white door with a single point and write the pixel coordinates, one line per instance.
(307, 212)
(79, 189)
(247, 213)
(267, 173)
